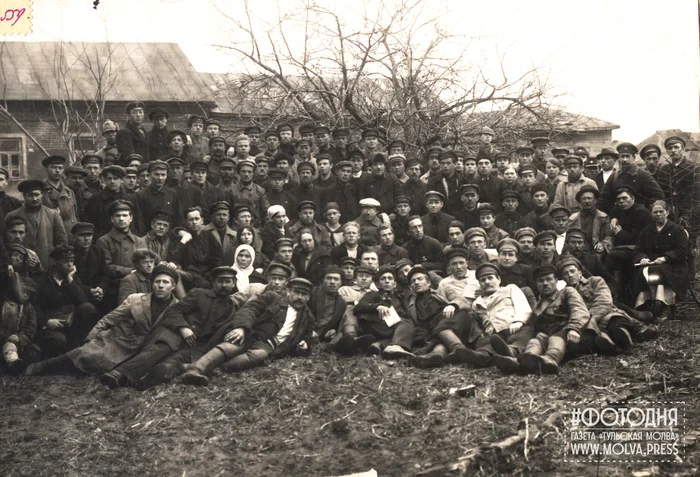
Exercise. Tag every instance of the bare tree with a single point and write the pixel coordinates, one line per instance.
(392, 66)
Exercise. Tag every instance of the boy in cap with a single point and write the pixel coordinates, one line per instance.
(502, 318)
(57, 195)
(560, 222)
(97, 208)
(158, 136)
(270, 326)
(212, 128)
(64, 314)
(546, 248)
(133, 138)
(540, 146)
(283, 253)
(476, 238)
(159, 237)
(109, 153)
(487, 219)
(560, 318)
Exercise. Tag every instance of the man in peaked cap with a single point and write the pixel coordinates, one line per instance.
(569, 187)
(380, 185)
(370, 138)
(678, 179)
(651, 153)
(509, 220)
(540, 145)
(198, 143)
(306, 131)
(645, 187)
(246, 191)
(57, 195)
(97, 208)
(487, 221)
(253, 133)
(156, 196)
(277, 194)
(436, 222)
(110, 153)
(217, 153)
(594, 222)
(286, 137)
(158, 135)
(132, 138)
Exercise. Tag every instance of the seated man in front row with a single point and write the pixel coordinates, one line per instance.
(269, 326)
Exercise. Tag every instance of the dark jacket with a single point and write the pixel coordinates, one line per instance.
(269, 235)
(149, 200)
(438, 229)
(97, 210)
(157, 142)
(92, 268)
(632, 221)
(644, 185)
(384, 188)
(200, 310)
(133, 139)
(339, 252)
(320, 259)
(672, 243)
(317, 303)
(415, 190)
(346, 196)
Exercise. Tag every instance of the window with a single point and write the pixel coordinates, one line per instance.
(83, 144)
(12, 156)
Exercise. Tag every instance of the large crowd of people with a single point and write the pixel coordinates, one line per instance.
(168, 254)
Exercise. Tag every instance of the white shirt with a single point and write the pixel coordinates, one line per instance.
(288, 325)
(607, 174)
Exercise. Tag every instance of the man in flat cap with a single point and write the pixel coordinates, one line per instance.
(217, 154)
(343, 192)
(650, 154)
(158, 135)
(468, 214)
(212, 127)
(423, 249)
(132, 138)
(91, 265)
(110, 152)
(397, 164)
(157, 196)
(594, 222)
(379, 185)
(509, 220)
(490, 187)
(64, 314)
(414, 188)
(511, 270)
(198, 143)
(181, 336)
(57, 195)
(436, 222)
(678, 179)
(272, 143)
(447, 181)
(270, 326)
(307, 211)
(645, 187)
(538, 218)
(431, 160)
(568, 188)
(247, 191)
(369, 221)
(45, 228)
(486, 135)
(97, 208)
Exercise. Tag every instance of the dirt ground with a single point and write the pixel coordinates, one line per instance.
(328, 416)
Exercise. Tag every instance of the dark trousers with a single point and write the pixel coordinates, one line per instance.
(138, 366)
(397, 334)
(620, 263)
(57, 342)
(517, 341)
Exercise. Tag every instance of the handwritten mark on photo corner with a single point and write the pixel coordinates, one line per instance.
(15, 18)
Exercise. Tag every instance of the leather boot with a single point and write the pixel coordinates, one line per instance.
(647, 333)
(621, 336)
(606, 346)
(50, 366)
(345, 344)
(162, 373)
(556, 348)
(500, 346)
(434, 359)
(247, 360)
(506, 364)
(197, 373)
(531, 358)
(395, 352)
(458, 353)
(113, 379)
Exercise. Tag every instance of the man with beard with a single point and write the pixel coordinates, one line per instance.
(423, 249)
(227, 175)
(539, 218)
(435, 222)
(306, 211)
(220, 213)
(286, 138)
(509, 220)
(91, 265)
(246, 191)
(181, 336)
(447, 182)
(326, 304)
(187, 195)
(645, 188)
(594, 223)
(503, 318)
(57, 195)
(119, 334)
(133, 138)
(568, 188)
(268, 327)
(469, 213)
(154, 197)
(120, 243)
(678, 180)
(198, 143)
(97, 207)
(389, 253)
(628, 220)
(45, 228)
(608, 158)
(216, 158)
(432, 159)
(253, 133)
(109, 153)
(211, 193)
(650, 154)
(380, 186)
(307, 190)
(525, 237)
(198, 252)
(325, 172)
(350, 246)
(64, 314)
(158, 135)
(560, 318)
(343, 192)
(375, 319)
(414, 189)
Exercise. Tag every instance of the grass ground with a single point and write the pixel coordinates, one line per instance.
(327, 415)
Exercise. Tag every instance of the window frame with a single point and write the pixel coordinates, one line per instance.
(23, 155)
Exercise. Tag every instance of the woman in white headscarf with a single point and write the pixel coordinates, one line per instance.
(243, 264)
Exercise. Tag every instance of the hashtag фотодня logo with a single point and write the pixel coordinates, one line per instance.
(641, 432)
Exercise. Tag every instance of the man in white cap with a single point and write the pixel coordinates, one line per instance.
(370, 222)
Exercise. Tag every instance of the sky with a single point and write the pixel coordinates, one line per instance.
(635, 63)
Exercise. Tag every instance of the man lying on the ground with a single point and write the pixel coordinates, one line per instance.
(352, 294)
(119, 334)
(270, 326)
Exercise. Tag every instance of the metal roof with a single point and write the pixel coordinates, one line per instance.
(38, 71)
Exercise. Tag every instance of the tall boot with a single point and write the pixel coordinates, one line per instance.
(458, 353)
(531, 358)
(55, 365)
(247, 360)
(14, 363)
(556, 348)
(197, 373)
(433, 359)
